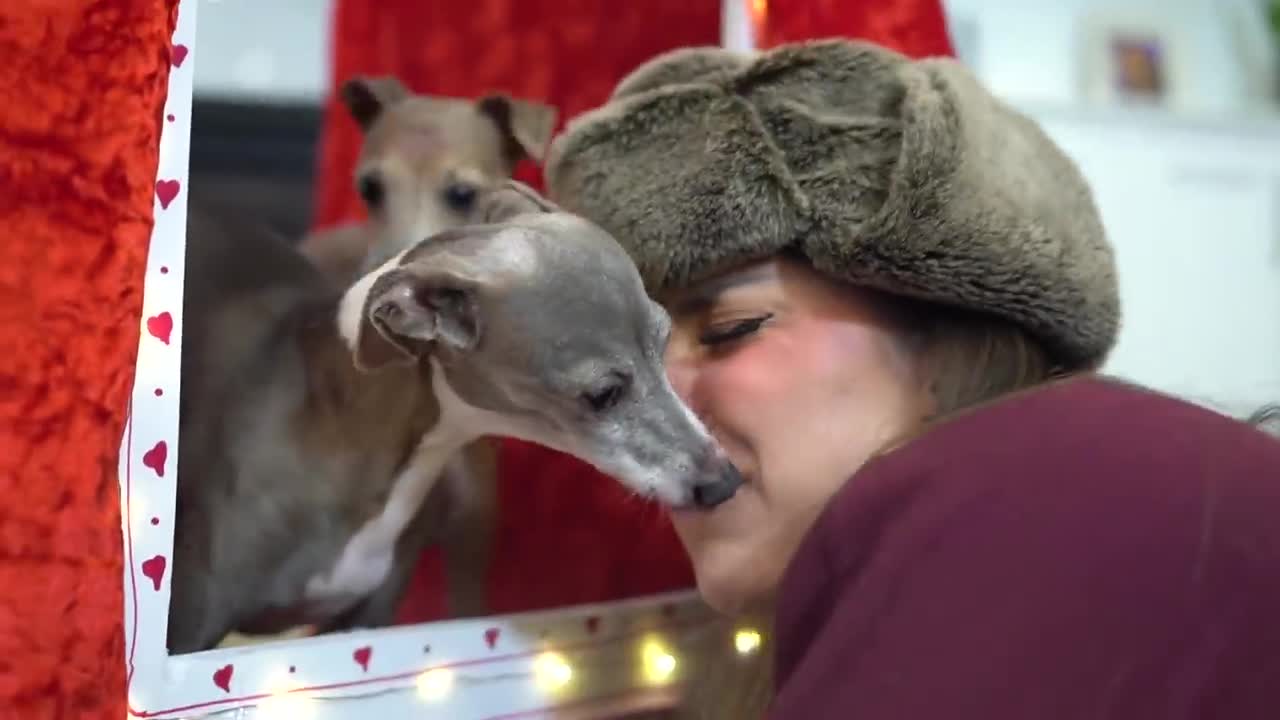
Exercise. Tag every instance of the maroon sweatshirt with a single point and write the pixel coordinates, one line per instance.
(1083, 551)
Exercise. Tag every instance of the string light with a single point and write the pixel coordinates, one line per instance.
(435, 684)
(552, 671)
(659, 664)
(285, 704)
(138, 517)
(746, 641)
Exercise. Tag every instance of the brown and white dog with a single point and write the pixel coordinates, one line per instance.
(423, 162)
(315, 422)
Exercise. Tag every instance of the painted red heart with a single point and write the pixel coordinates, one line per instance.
(166, 191)
(593, 624)
(362, 657)
(154, 569)
(178, 54)
(222, 677)
(160, 326)
(156, 457)
(491, 637)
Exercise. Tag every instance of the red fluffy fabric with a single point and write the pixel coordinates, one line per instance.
(82, 86)
(567, 533)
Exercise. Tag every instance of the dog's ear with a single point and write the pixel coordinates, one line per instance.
(366, 98)
(509, 199)
(408, 311)
(525, 125)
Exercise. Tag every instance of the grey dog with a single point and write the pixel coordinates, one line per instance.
(315, 422)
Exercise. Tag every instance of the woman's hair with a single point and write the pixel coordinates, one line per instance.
(967, 359)
(1267, 418)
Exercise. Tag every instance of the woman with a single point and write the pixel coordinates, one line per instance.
(889, 292)
(1267, 417)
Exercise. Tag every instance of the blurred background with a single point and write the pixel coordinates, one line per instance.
(1169, 106)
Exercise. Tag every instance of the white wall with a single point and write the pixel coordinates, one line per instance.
(273, 50)
(1193, 210)
(1191, 199)
(1029, 49)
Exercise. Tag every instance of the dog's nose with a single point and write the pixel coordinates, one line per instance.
(711, 494)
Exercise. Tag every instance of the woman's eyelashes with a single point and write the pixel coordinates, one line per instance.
(727, 332)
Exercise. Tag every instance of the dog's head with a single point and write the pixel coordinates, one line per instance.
(539, 328)
(425, 159)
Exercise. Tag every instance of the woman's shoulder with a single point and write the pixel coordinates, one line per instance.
(1086, 404)
(1087, 422)
(1063, 530)
(1062, 461)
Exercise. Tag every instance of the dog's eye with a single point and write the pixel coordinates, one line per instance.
(372, 191)
(607, 396)
(460, 196)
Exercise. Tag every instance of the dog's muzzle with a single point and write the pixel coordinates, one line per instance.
(711, 494)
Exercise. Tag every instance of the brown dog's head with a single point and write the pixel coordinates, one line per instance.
(425, 158)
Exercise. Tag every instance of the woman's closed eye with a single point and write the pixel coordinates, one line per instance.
(726, 332)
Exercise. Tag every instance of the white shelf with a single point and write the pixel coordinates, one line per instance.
(1261, 122)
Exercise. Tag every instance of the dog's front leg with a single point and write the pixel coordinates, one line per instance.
(471, 482)
(379, 608)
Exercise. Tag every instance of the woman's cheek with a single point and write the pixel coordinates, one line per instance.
(752, 372)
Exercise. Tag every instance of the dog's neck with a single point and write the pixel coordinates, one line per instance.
(394, 412)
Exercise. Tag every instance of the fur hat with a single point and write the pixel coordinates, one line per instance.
(886, 172)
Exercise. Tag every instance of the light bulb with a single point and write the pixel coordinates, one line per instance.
(435, 684)
(552, 671)
(138, 517)
(283, 704)
(659, 663)
(746, 641)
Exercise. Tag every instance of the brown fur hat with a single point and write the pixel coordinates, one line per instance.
(886, 172)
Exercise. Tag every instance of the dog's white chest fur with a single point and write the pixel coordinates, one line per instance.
(368, 557)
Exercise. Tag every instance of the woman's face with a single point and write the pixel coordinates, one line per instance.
(801, 379)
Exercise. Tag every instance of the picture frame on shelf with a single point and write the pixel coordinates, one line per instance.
(1134, 58)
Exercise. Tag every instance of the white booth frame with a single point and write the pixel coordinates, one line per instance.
(525, 665)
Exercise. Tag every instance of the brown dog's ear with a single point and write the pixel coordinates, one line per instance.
(409, 311)
(526, 126)
(366, 98)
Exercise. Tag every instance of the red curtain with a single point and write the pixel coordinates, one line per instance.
(915, 27)
(566, 533)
